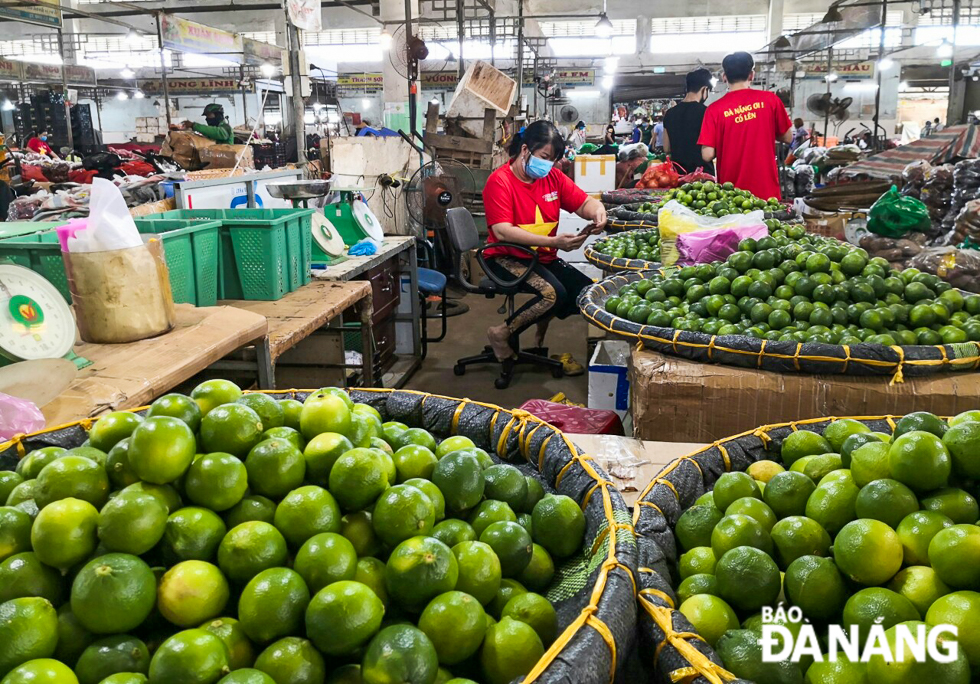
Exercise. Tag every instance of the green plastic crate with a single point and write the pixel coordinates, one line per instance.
(264, 253)
(190, 247)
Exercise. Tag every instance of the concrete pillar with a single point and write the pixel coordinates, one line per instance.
(775, 22)
(396, 93)
(643, 28)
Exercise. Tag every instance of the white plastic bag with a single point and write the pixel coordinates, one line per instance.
(110, 225)
(675, 219)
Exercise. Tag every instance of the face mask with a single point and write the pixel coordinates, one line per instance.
(537, 167)
(44, 137)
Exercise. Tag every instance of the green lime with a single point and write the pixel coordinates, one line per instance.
(192, 592)
(192, 534)
(916, 531)
(509, 588)
(64, 533)
(460, 479)
(133, 522)
(536, 611)
(292, 661)
(455, 624)
(739, 530)
(695, 525)
(250, 548)
(112, 428)
(535, 492)
(72, 476)
(886, 500)
(325, 558)
(540, 571)
(701, 583)
(832, 504)
(112, 655)
(15, 531)
(371, 573)
(697, 561)
(454, 531)
(305, 512)
(275, 467)
(165, 494)
(8, 480)
(839, 671)
(255, 507)
(231, 428)
(401, 512)
(23, 575)
(113, 593)
(803, 443)
(510, 649)
(28, 630)
(920, 421)
(902, 664)
(919, 460)
(764, 471)
(400, 653)
(816, 587)
(839, 430)
(434, 494)
(488, 512)
(954, 503)
(321, 453)
(454, 443)
(747, 578)
(213, 393)
(506, 483)
(341, 394)
(247, 675)
(324, 412)
(29, 466)
(559, 525)
(962, 441)
(817, 467)
(418, 570)
(358, 478)
(414, 461)
(960, 609)
(877, 606)
(954, 553)
(358, 529)
(416, 436)
(161, 449)
(710, 615)
(73, 639)
(479, 570)
(852, 443)
(177, 406)
(229, 630)
(117, 466)
(732, 486)
(342, 617)
(512, 544)
(868, 551)
(193, 656)
(41, 671)
(272, 605)
(798, 536)
(787, 493)
(919, 584)
(870, 462)
(268, 409)
(754, 508)
(217, 481)
(288, 434)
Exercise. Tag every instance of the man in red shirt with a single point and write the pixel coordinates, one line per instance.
(741, 130)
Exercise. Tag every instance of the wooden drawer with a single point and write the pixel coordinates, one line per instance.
(385, 288)
(384, 341)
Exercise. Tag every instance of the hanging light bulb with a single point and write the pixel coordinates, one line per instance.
(610, 64)
(267, 70)
(603, 27)
(886, 63)
(127, 73)
(122, 96)
(831, 77)
(607, 81)
(8, 105)
(384, 40)
(139, 95)
(133, 36)
(945, 49)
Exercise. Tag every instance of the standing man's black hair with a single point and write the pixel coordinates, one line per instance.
(536, 136)
(698, 79)
(738, 66)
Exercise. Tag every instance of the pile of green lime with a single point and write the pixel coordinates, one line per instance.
(803, 288)
(631, 245)
(853, 528)
(718, 199)
(236, 538)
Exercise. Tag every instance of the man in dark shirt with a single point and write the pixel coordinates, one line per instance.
(682, 123)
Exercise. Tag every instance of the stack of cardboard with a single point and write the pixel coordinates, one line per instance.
(149, 127)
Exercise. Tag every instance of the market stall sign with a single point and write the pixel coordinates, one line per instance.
(258, 53)
(11, 70)
(184, 35)
(567, 77)
(439, 80)
(361, 81)
(51, 73)
(304, 14)
(844, 71)
(41, 12)
(192, 86)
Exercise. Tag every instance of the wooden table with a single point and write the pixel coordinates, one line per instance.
(302, 313)
(124, 376)
(632, 463)
(407, 325)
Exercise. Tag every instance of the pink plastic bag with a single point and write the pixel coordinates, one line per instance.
(705, 246)
(18, 416)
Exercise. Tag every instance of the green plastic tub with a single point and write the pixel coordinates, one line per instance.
(190, 247)
(264, 253)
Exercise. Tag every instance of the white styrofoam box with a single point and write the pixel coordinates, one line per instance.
(595, 172)
(592, 271)
(482, 87)
(145, 137)
(572, 224)
(609, 385)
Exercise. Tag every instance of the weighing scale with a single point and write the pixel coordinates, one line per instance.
(35, 320)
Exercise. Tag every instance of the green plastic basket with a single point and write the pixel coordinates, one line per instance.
(264, 253)
(189, 246)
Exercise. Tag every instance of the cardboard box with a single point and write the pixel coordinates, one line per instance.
(829, 224)
(595, 172)
(226, 156)
(676, 400)
(609, 386)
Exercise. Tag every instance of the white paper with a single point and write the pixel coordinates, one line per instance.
(110, 225)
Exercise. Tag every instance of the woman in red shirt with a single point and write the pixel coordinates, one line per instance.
(523, 201)
(38, 143)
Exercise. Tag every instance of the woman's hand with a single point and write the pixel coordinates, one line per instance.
(599, 218)
(570, 243)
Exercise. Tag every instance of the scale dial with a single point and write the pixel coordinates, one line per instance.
(35, 320)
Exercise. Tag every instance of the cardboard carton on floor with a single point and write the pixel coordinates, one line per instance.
(675, 400)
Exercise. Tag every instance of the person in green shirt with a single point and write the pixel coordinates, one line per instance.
(216, 128)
